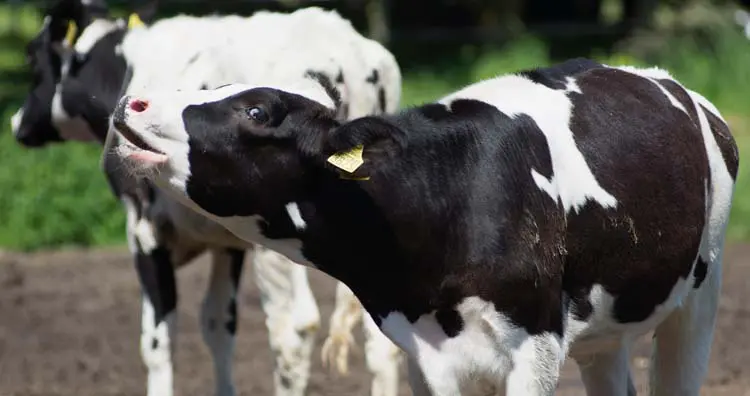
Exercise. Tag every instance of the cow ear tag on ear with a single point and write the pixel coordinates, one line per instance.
(349, 161)
(70, 35)
(134, 21)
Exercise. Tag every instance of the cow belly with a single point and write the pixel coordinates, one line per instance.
(601, 332)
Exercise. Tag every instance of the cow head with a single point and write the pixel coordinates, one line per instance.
(76, 75)
(233, 151)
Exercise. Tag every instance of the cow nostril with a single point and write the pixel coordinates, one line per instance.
(138, 105)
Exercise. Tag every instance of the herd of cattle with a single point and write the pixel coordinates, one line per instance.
(552, 212)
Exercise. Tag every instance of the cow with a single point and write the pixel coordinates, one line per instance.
(83, 60)
(551, 212)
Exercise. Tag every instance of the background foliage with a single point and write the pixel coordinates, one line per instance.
(58, 196)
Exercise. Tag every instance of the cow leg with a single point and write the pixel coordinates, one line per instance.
(682, 342)
(347, 312)
(158, 319)
(383, 357)
(417, 382)
(219, 314)
(159, 301)
(292, 318)
(607, 373)
(536, 366)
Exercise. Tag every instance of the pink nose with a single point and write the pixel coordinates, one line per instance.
(138, 105)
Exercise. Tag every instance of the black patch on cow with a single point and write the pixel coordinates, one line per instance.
(644, 245)
(340, 77)
(682, 97)
(725, 141)
(285, 382)
(374, 77)
(450, 321)
(326, 83)
(154, 343)
(555, 77)
(581, 307)
(700, 271)
(381, 99)
(193, 59)
(236, 262)
(156, 273)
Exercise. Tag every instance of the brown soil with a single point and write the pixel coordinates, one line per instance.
(69, 325)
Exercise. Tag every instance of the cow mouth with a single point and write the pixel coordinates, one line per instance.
(146, 151)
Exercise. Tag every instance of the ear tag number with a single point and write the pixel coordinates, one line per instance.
(349, 161)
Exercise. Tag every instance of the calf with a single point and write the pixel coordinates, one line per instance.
(80, 59)
(551, 212)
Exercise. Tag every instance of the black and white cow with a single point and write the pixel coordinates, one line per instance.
(554, 212)
(78, 77)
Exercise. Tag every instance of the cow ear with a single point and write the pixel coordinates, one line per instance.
(69, 17)
(145, 12)
(362, 146)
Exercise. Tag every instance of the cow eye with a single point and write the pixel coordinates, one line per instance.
(257, 114)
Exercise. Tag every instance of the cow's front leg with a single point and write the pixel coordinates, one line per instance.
(158, 318)
(219, 314)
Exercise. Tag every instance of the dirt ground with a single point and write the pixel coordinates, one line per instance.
(69, 325)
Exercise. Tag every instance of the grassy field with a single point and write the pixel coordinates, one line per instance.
(57, 196)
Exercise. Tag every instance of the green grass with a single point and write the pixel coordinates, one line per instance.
(57, 196)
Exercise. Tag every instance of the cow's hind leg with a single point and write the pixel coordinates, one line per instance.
(607, 373)
(682, 343)
(219, 314)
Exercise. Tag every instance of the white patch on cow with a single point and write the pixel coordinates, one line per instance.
(382, 356)
(487, 350)
(156, 349)
(293, 210)
(551, 110)
(95, 31)
(653, 74)
(131, 220)
(15, 121)
(546, 185)
(572, 86)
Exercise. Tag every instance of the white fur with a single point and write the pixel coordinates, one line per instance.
(95, 31)
(293, 211)
(15, 121)
(158, 359)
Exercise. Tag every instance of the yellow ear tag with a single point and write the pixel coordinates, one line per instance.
(135, 21)
(71, 33)
(349, 161)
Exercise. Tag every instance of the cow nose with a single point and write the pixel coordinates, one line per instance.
(138, 105)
